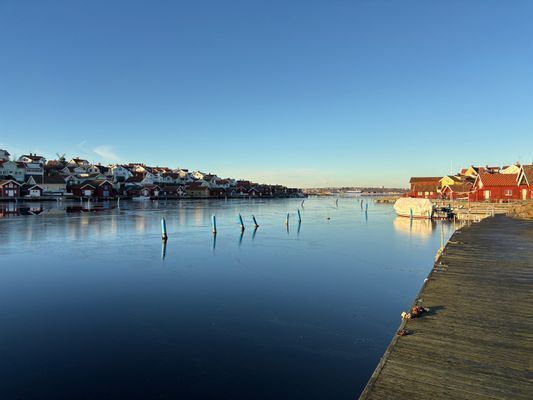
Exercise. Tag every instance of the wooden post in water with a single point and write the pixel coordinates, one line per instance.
(164, 235)
(287, 220)
(214, 225)
(299, 217)
(163, 249)
(441, 236)
(366, 207)
(242, 223)
(411, 213)
(256, 225)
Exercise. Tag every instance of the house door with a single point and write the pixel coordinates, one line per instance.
(524, 194)
(10, 193)
(35, 193)
(87, 193)
(106, 193)
(487, 194)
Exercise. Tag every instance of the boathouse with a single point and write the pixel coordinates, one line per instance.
(457, 191)
(495, 187)
(425, 187)
(9, 189)
(32, 191)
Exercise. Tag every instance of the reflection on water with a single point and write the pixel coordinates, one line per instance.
(422, 228)
(310, 305)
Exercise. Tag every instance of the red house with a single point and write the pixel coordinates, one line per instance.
(495, 187)
(457, 191)
(425, 187)
(9, 189)
(83, 190)
(96, 188)
(525, 182)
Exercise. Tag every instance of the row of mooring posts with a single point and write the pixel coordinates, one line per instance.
(164, 234)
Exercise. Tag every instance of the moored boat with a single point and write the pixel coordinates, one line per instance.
(414, 208)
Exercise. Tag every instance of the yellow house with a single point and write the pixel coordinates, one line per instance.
(450, 180)
(512, 169)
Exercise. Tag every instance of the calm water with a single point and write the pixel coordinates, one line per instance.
(93, 307)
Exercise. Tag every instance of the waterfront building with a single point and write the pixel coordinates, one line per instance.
(9, 188)
(425, 187)
(457, 191)
(93, 188)
(198, 189)
(31, 191)
(495, 187)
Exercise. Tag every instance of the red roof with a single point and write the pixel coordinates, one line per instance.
(498, 179)
(427, 179)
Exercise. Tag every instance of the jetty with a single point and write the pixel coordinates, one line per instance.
(476, 342)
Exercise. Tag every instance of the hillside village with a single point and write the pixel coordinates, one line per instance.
(493, 184)
(32, 176)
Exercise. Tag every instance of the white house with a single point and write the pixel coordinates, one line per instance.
(34, 169)
(50, 184)
(119, 173)
(78, 162)
(32, 159)
(197, 175)
(15, 169)
(4, 155)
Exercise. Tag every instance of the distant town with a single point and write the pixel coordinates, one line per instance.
(31, 176)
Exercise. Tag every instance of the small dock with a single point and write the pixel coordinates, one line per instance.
(476, 342)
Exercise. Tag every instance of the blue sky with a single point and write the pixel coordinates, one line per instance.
(303, 93)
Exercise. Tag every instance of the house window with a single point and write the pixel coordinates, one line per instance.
(508, 192)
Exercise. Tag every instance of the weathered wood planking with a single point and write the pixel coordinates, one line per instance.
(477, 341)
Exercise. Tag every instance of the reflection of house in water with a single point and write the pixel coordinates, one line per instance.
(414, 227)
(33, 209)
(199, 215)
(140, 223)
(9, 209)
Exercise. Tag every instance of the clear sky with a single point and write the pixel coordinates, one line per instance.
(303, 93)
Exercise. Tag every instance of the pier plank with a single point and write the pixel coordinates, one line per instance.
(477, 340)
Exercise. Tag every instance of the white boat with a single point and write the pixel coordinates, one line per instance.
(141, 198)
(414, 208)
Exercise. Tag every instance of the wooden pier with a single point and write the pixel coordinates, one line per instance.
(477, 340)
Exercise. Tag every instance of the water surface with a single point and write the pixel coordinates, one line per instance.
(92, 306)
